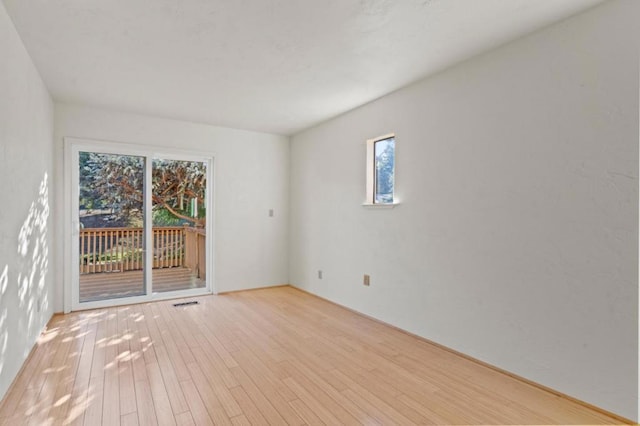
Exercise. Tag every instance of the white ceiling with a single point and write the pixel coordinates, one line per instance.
(276, 66)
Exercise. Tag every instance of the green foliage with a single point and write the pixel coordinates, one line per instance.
(179, 188)
(163, 217)
(89, 196)
(116, 182)
(118, 256)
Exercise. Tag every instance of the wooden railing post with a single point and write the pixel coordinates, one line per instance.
(202, 252)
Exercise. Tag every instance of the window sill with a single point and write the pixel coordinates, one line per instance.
(379, 206)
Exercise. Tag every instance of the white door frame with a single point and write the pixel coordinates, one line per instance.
(72, 148)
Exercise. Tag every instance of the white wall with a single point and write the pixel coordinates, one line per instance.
(26, 146)
(516, 238)
(251, 173)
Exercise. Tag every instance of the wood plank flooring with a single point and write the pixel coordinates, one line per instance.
(274, 356)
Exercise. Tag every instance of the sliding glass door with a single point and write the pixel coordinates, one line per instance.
(142, 222)
(179, 225)
(111, 216)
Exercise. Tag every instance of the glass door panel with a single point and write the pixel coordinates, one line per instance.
(179, 225)
(111, 217)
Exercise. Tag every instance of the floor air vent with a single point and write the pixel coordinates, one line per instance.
(193, 302)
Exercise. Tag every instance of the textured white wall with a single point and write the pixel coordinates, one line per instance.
(251, 177)
(516, 240)
(26, 146)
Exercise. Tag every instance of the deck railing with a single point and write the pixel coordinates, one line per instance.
(121, 249)
(195, 251)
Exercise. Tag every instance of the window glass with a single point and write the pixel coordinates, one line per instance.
(384, 158)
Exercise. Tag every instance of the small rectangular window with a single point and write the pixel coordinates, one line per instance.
(381, 170)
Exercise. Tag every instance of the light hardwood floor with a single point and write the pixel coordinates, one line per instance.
(274, 356)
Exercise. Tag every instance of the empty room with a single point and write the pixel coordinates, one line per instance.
(286, 212)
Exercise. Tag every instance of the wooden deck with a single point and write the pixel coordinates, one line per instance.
(275, 356)
(111, 285)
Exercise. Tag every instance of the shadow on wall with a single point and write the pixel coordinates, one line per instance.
(24, 315)
(4, 334)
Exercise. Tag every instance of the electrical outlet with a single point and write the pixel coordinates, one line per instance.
(367, 280)
(270, 212)
(319, 275)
